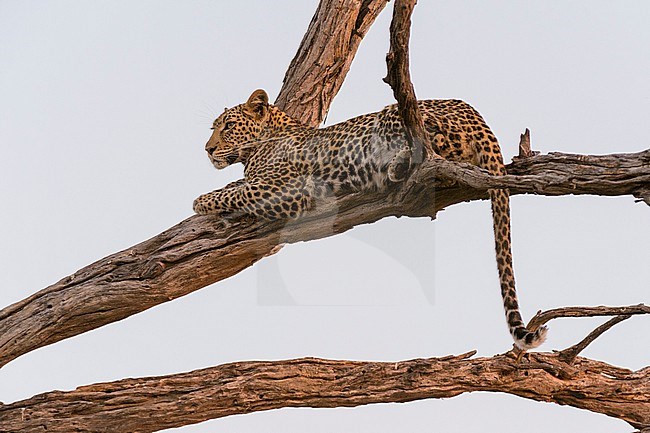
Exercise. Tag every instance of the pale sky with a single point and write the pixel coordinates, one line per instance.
(105, 107)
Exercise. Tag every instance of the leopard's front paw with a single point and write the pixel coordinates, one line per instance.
(204, 205)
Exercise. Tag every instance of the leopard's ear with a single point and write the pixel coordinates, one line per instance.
(258, 104)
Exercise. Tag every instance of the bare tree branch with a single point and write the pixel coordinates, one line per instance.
(609, 174)
(569, 355)
(544, 317)
(318, 69)
(156, 403)
(203, 250)
(398, 78)
(138, 278)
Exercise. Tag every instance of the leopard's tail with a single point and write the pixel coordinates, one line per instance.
(490, 158)
(524, 339)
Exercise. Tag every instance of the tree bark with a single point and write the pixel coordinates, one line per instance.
(398, 77)
(155, 403)
(204, 249)
(318, 69)
(118, 286)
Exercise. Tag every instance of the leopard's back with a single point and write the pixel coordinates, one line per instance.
(357, 153)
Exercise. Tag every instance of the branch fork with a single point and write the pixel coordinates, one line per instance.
(187, 398)
(202, 250)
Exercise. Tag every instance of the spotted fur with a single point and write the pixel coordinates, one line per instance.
(289, 166)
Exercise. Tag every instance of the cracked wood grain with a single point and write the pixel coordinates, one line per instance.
(156, 403)
(323, 60)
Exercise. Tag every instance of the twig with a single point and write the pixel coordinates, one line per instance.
(543, 317)
(568, 355)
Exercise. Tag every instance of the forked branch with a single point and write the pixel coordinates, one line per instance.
(569, 354)
(156, 403)
(203, 250)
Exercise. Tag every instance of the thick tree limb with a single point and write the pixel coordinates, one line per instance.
(156, 403)
(318, 69)
(609, 174)
(200, 251)
(203, 250)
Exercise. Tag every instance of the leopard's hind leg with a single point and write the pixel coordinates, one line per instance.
(400, 165)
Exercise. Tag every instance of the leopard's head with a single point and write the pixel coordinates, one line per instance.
(235, 131)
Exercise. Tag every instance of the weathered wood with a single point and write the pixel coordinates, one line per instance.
(156, 403)
(155, 271)
(398, 77)
(204, 249)
(323, 60)
(569, 354)
(611, 175)
(543, 317)
(525, 150)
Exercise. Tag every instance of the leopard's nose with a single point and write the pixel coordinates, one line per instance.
(209, 149)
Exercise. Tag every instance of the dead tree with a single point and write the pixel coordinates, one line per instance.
(202, 250)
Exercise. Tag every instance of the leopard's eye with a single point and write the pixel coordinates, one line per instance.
(230, 125)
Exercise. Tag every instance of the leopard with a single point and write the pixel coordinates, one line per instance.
(289, 166)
